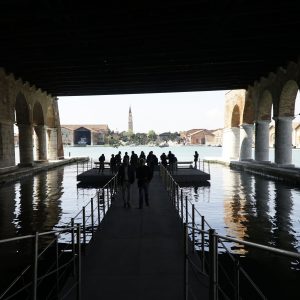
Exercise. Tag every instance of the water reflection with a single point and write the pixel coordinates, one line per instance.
(34, 204)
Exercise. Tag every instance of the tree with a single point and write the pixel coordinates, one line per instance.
(152, 135)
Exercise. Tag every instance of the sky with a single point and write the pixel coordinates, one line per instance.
(158, 112)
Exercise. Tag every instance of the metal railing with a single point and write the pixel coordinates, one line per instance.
(67, 259)
(86, 165)
(68, 241)
(200, 238)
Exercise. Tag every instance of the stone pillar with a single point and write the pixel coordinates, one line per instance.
(25, 144)
(262, 140)
(246, 139)
(52, 143)
(283, 140)
(40, 131)
(7, 147)
(231, 143)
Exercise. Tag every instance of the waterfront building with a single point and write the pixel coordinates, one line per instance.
(84, 134)
(203, 137)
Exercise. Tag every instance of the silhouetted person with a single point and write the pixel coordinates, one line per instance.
(171, 161)
(144, 176)
(163, 159)
(151, 160)
(196, 156)
(126, 157)
(142, 155)
(126, 179)
(134, 160)
(101, 163)
(113, 164)
(175, 164)
(118, 160)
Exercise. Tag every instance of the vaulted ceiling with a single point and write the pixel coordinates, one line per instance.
(119, 47)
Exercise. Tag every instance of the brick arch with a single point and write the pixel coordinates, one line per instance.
(236, 116)
(287, 99)
(38, 114)
(22, 110)
(264, 110)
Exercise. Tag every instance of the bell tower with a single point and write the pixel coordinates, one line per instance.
(130, 123)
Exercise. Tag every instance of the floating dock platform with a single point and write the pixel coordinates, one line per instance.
(183, 176)
(94, 177)
(190, 176)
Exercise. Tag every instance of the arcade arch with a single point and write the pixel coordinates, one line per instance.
(284, 117)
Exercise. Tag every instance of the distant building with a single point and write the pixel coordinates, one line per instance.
(84, 134)
(130, 122)
(203, 137)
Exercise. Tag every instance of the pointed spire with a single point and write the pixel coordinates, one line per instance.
(130, 109)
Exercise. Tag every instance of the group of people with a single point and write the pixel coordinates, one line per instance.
(129, 169)
(134, 167)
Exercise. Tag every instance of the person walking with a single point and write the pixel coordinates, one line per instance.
(142, 155)
(144, 176)
(112, 164)
(126, 156)
(126, 178)
(163, 160)
(196, 156)
(134, 160)
(118, 160)
(101, 163)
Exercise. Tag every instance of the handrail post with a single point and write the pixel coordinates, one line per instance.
(236, 279)
(78, 262)
(213, 264)
(186, 261)
(181, 203)
(103, 194)
(177, 198)
(98, 207)
(92, 216)
(77, 167)
(186, 211)
(83, 226)
(193, 226)
(35, 265)
(57, 266)
(202, 243)
(108, 205)
(73, 245)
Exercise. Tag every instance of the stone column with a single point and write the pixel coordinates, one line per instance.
(231, 143)
(262, 140)
(246, 139)
(7, 147)
(42, 142)
(283, 140)
(52, 143)
(25, 144)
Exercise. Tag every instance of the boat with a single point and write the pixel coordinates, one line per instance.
(163, 145)
(82, 142)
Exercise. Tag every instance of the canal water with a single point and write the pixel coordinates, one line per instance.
(241, 205)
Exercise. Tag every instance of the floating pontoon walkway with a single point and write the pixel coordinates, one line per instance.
(183, 176)
(138, 253)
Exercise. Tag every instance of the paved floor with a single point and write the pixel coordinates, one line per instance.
(138, 253)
